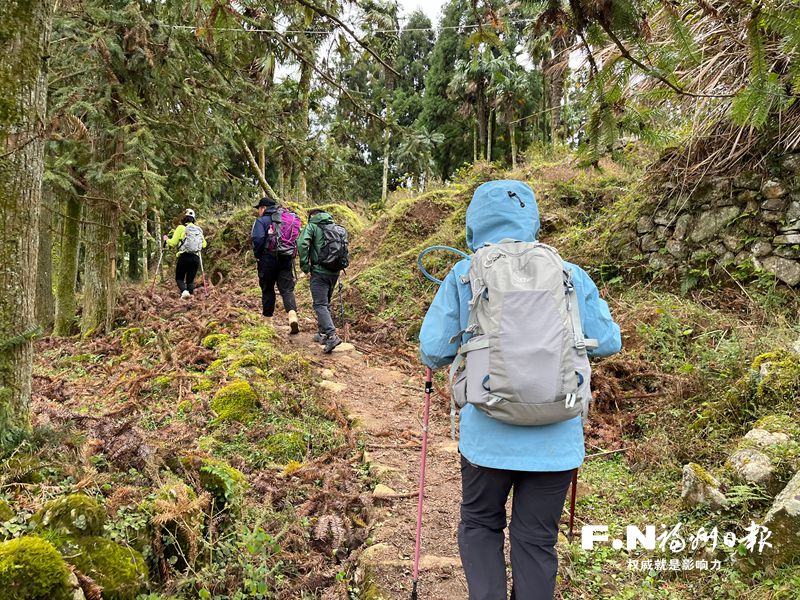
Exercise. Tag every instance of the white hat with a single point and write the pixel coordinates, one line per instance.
(189, 213)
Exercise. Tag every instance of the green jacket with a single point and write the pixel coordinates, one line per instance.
(310, 243)
(177, 237)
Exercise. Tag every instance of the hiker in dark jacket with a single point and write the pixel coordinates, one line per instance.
(188, 238)
(323, 280)
(273, 269)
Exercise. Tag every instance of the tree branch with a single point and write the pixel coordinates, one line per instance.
(650, 72)
(343, 25)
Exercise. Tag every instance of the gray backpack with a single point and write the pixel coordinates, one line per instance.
(193, 240)
(526, 362)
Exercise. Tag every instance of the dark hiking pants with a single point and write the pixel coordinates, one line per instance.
(322, 287)
(186, 270)
(278, 271)
(537, 503)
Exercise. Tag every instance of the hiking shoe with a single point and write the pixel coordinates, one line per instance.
(294, 326)
(186, 294)
(331, 343)
(320, 338)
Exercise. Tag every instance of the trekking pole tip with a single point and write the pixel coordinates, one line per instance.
(414, 591)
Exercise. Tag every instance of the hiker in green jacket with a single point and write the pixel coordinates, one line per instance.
(323, 253)
(188, 238)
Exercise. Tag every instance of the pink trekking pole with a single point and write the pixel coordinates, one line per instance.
(424, 453)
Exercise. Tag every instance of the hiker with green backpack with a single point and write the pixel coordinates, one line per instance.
(188, 238)
(323, 249)
(518, 325)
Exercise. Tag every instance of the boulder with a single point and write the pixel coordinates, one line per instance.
(645, 224)
(699, 487)
(660, 261)
(793, 212)
(747, 180)
(648, 243)
(786, 270)
(676, 248)
(773, 188)
(786, 240)
(761, 249)
(119, 570)
(75, 514)
(710, 222)
(783, 520)
(763, 438)
(753, 466)
(30, 567)
(791, 163)
(682, 227)
(772, 216)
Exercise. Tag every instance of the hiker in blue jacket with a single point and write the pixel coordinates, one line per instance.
(536, 461)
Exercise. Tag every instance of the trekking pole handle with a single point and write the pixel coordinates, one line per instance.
(431, 249)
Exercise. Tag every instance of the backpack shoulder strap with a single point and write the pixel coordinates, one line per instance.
(580, 342)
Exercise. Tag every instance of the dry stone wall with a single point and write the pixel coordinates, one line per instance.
(746, 220)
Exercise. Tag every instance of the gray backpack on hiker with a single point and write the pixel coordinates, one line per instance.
(526, 362)
(193, 240)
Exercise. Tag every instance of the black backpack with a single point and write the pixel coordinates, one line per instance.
(333, 255)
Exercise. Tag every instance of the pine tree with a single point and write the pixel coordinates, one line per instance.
(24, 36)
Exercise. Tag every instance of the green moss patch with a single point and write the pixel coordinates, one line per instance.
(119, 570)
(286, 446)
(6, 512)
(32, 569)
(235, 402)
(771, 386)
(75, 514)
(214, 340)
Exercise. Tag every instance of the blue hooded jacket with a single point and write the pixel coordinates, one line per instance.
(493, 216)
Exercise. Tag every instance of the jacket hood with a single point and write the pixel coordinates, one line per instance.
(322, 218)
(504, 209)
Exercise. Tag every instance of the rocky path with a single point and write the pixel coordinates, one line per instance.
(386, 408)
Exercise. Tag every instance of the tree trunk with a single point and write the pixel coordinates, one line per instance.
(45, 305)
(474, 142)
(160, 242)
(68, 267)
(133, 251)
(305, 93)
(555, 71)
(387, 138)
(489, 135)
(282, 177)
(24, 36)
(512, 133)
(481, 114)
(145, 242)
(102, 218)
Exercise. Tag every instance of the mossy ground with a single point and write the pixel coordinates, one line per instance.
(30, 567)
(121, 571)
(210, 386)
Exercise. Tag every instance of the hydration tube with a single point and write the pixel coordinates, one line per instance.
(431, 249)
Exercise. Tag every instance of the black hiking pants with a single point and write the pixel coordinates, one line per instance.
(278, 271)
(186, 270)
(536, 511)
(322, 286)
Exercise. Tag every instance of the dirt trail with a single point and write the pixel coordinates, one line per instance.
(386, 407)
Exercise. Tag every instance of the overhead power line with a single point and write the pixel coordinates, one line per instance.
(328, 31)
